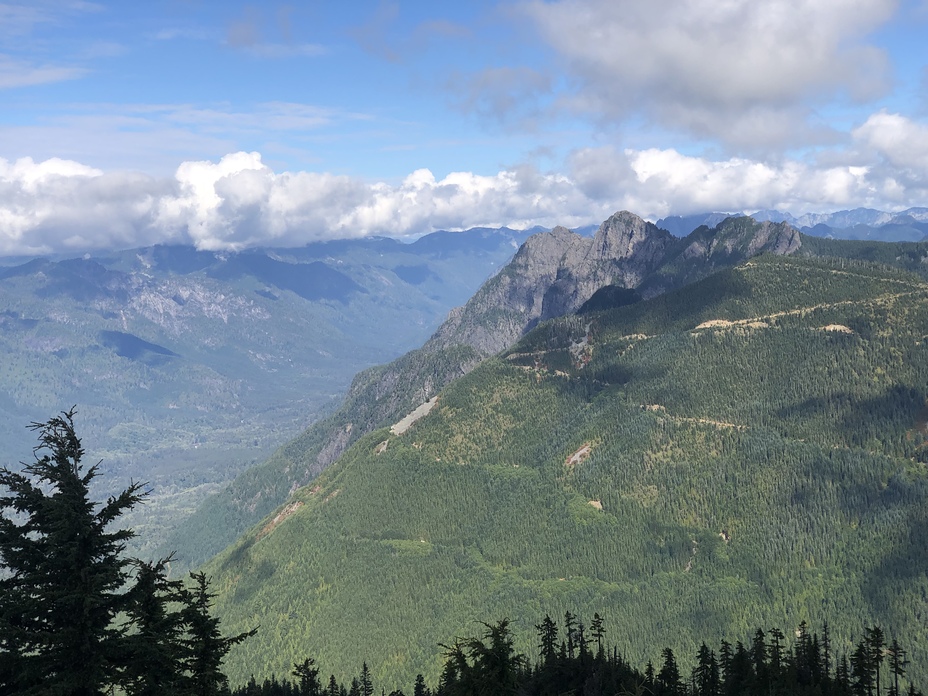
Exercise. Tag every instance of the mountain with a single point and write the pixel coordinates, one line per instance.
(748, 450)
(861, 223)
(187, 366)
(552, 274)
(682, 225)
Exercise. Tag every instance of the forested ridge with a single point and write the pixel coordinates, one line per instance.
(749, 451)
(537, 282)
(74, 619)
(746, 451)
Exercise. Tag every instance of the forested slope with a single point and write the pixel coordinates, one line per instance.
(746, 451)
(553, 273)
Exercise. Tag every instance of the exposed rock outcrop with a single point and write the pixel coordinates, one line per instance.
(555, 272)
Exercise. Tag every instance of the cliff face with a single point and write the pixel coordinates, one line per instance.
(624, 251)
(555, 272)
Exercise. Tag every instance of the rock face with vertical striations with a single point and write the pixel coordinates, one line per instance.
(555, 272)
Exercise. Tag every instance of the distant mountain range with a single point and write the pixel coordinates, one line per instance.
(861, 223)
(187, 366)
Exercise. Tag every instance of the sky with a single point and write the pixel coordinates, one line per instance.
(231, 125)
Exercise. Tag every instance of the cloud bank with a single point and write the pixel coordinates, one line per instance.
(60, 205)
(748, 74)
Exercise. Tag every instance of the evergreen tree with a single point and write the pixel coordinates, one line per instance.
(725, 658)
(759, 661)
(876, 641)
(775, 650)
(843, 676)
(308, 674)
(62, 571)
(826, 652)
(454, 670)
(570, 626)
(706, 679)
(333, 688)
(547, 635)
(420, 688)
(154, 646)
(367, 685)
(598, 633)
(495, 663)
(583, 643)
(897, 664)
(862, 669)
(740, 675)
(205, 645)
(668, 678)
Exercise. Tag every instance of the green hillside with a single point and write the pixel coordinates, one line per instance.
(745, 452)
(552, 274)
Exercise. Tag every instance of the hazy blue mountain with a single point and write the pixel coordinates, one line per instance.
(861, 223)
(682, 225)
(187, 366)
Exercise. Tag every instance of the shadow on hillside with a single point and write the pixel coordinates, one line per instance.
(878, 424)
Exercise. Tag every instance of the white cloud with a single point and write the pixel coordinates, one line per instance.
(239, 201)
(901, 142)
(741, 71)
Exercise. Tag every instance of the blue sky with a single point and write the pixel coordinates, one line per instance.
(230, 124)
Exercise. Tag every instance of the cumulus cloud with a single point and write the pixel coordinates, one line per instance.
(743, 72)
(239, 201)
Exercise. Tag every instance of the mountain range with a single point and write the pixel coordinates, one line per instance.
(861, 223)
(689, 435)
(553, 273)
(734, 418)
(188, 366)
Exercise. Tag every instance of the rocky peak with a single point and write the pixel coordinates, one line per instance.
(776, 238)
(624, 234)
(554, 273)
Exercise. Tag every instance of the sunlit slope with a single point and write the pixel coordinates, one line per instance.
(744, 452)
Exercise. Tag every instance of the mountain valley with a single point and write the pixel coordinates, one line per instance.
(189, 366)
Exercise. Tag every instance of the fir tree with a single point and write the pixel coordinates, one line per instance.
(598, 633)
(308, 674)
(569, 632)
(205, 644)
(547, 635)
(876, 641)
(154, 647)
(897, 664)
(420, 688)
(668, 678)
(63, 571)
(367, 686)
(706, 673)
